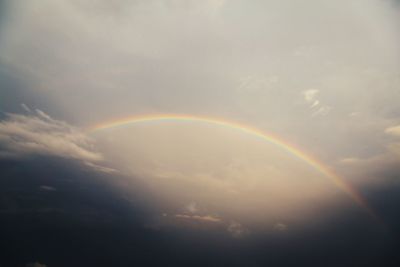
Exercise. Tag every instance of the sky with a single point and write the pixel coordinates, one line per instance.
(321, 76)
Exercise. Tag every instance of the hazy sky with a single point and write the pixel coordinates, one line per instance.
(321, 74)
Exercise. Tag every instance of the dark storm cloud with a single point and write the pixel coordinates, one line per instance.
(84, 204)
(88, 218)
(102, 223)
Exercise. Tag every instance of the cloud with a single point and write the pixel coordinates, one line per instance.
(205, 218)
(38, 133)
(321, 110)
(389, 154)
(47, 188)
(316, 103)
(211, 7)
(25, 107)
(350, 160)
(280, 227)
(101, 168)
(394, 148)
(36, 264)
(144, 38)
(237, 230)
(234, 228)
(395, 130)
(310, 96)
(192, 207)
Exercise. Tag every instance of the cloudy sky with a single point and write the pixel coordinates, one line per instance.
(322, 75)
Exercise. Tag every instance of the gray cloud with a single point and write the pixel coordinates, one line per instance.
(241, 60)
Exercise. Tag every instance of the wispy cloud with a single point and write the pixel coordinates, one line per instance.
(237, 230)
(395, 130)
(101, 168)
(280, 227)
(205, 218)
(322, 111)
(38, 133)
(394, 146)
(234, 228)
(192, 207)
(47, 188)
(25, 107)
(350, 160)
(310, 96)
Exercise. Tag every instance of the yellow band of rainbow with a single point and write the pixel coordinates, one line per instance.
(325, 170)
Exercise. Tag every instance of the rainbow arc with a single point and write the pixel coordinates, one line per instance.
(269, 137)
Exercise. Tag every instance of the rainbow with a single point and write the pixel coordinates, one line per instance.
(319, 166)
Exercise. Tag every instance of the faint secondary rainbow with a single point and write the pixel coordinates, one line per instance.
(269, 137)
